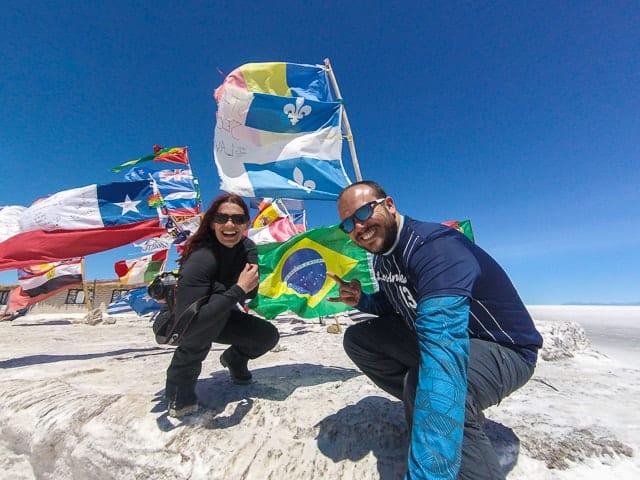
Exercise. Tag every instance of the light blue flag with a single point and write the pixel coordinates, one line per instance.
(269, 145)
(135, 300)
(176, 184)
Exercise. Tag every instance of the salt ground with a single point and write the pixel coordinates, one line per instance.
(84, 402)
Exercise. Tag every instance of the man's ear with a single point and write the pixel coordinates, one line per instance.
(390, 204)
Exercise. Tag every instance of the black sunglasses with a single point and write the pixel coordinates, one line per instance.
(236, 218)
(362, 214)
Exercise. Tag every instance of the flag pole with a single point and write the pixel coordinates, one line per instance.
(93, 316)
(345, 120)
(87, 300)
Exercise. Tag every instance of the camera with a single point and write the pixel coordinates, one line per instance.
(163, 288)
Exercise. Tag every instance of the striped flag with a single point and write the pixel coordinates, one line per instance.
(50, 277)
(177, 155)
(279, 230)
(137, 300)
(278, 133)
(39, 282)
(119, 306)
(141, 270)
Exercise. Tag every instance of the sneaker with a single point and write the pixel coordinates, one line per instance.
(181, 401)
(176, 411)
(237, 365)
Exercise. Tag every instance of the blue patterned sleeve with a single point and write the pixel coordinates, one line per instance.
(438, 419)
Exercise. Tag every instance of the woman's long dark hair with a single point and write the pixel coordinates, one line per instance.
(204, 235)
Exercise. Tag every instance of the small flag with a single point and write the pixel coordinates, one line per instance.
(463, 226)
(50, 277)
(293, 274)
(279, 230)
(141, 270)
(175, 235)
(137, 299)
(268, 214)
(172, 155)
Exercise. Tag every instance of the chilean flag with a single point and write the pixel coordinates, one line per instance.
(79, 222)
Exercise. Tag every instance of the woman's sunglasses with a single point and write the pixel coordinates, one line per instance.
(236, 218)
(361, 215)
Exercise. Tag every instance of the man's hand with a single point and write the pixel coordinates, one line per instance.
(348, 292)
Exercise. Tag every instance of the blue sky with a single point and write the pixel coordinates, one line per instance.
(521, 116)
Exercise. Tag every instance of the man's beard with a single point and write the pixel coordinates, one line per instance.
(390, 229)
(390, 237)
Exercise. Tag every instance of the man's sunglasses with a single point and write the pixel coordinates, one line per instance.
(361, 215)
(236, 218)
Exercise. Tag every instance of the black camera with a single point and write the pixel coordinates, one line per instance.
(163, 288)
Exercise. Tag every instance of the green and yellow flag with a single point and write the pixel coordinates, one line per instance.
(463, 226)
(160, 154)
(293, 274)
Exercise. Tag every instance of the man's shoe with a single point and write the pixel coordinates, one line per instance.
(237, 365)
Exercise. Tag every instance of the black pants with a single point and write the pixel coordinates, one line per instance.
(250, 336)
(386, 350)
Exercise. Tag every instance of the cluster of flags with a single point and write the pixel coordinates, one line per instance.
(158, 192)
(177, 192)
(278, 141)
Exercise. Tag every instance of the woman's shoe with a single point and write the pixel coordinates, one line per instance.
(181, 401)
(237, 365)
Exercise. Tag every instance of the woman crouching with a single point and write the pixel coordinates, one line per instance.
(219, 262)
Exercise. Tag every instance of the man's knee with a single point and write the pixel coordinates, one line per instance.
(352, 339)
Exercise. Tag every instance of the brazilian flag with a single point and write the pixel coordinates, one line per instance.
(293, 274)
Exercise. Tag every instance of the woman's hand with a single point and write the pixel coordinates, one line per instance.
(249, 277)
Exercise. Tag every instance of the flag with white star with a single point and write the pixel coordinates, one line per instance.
(81, 221)
(91, 207)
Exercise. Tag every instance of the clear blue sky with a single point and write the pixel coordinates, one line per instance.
(521, 116)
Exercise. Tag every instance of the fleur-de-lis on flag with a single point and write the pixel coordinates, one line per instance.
(298, 176)
(297, 112)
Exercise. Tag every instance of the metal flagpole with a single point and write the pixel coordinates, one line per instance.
(345, 120)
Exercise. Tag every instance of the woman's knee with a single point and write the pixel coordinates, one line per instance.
(274, 336)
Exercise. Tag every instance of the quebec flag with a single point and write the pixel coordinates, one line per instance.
(278, 133)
